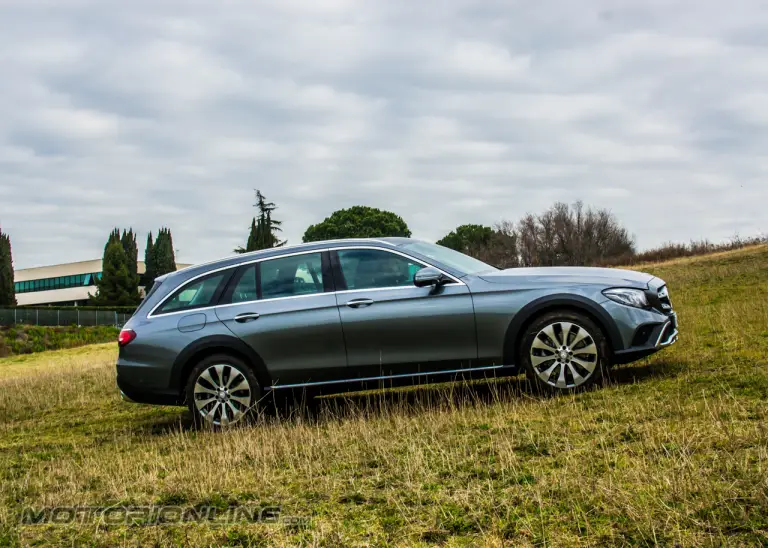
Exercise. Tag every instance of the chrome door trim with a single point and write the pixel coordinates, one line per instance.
(386, 377)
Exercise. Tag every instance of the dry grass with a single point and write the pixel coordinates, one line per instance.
(674, 452)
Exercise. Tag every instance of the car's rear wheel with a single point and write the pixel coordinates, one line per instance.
(564, 351)
(222, 391)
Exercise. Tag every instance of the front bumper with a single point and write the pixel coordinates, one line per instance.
(659, 336)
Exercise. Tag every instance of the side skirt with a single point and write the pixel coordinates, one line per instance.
(505, 369)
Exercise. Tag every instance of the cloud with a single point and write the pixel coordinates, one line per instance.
(170, 113)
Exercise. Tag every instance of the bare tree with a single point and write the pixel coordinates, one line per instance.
(562, 235)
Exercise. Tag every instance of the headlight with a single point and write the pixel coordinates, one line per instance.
(629, 297)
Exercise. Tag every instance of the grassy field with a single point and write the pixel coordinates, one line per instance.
(674, 452)
(26, 339)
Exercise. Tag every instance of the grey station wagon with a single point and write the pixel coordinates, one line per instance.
(220, 336)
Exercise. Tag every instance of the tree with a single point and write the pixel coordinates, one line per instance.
(164, 259)
(115, 288)
(128, 241)
(571, 235)
(114, 236)
(263, 227)
(467, 237)
(358, 222)
(7, 290)
(150, 273)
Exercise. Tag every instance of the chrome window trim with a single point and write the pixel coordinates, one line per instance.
(386, 377)
(305, 252)
(295, 246)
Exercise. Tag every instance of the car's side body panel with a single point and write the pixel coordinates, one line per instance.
(407, 329)
(299, 338)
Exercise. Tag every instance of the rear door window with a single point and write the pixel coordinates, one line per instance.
(292, 276)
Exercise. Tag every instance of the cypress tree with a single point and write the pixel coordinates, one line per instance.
(115, 288)
(114, 236)
(150, 273)
(164, 257)
(128, 241)
(7, 291)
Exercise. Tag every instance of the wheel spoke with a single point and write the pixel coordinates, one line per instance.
(546, 374)
(565, 331)
(202, 403)
(200, 389)
(589, 366)
(541, 345)
(590, 349)
(234, 374)
(538, 360)
(561, 377)
(577, 379)
(207, 376)
(242, 385)
(549, 331)
(220, 374)
(234, 411)
(211, 415)
(580, 336)
(242, 400)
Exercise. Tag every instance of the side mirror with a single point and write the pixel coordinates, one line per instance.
(429, 276)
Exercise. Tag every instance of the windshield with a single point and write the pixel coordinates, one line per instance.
(449, 257)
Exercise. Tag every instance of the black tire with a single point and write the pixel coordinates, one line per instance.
(569, 368)
(232, 369)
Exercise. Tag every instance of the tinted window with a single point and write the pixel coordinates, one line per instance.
(290, 276)
(370, 268)
(245, 289)
(195, 295)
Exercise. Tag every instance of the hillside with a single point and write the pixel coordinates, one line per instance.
(673, 452)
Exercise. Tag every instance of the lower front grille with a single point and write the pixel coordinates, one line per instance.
(642, 334)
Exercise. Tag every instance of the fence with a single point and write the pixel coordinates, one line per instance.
(62, 317)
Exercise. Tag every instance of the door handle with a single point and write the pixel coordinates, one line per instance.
(358, 303)
(247, 317)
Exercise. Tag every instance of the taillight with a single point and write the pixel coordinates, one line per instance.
(125, 337)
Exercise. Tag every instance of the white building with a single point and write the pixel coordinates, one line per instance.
(63, 285)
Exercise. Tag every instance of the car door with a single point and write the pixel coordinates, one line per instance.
(282, 308)
(393, 327)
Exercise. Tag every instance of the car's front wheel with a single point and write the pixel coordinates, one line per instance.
(221, 391)
(564, 351)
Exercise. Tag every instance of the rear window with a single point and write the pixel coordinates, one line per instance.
(145, 300)
(197, 294)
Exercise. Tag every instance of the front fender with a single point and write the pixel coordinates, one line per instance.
(551, 302)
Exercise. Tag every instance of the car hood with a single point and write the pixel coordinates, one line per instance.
(569, 275)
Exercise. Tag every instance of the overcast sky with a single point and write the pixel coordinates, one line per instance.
(151, 113)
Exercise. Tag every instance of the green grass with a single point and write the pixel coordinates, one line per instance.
(26, 339)
(673, 452)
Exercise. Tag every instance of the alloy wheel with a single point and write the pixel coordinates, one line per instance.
(564, 355)
(222, 395)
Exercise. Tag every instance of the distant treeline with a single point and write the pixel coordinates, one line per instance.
(570, 235)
